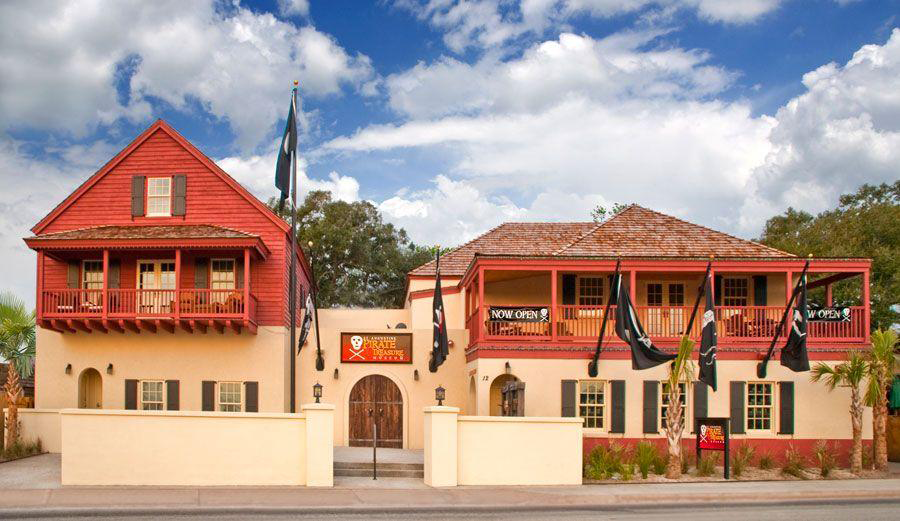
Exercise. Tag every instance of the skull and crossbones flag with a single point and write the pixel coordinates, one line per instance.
(708, 338)
(440, 347)
(644, 354)
(794, 355)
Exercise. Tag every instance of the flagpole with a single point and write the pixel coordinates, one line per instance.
(292, 292)
(320, 362)
(702, 290)
(592, 366)
(761, 367)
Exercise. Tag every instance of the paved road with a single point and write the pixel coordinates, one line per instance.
(840, 511)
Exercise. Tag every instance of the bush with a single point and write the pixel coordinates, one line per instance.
(687, 459)
(793, 463)
(628, 472)
(826, 458)
(604, 461)
(659, 464)
(741, 459)
(645, 455)
(706, 465)
(21, 449)
(766, 462)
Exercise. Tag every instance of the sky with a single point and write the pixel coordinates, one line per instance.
(454, 116)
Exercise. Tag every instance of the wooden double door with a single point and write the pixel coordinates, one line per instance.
(376, 401)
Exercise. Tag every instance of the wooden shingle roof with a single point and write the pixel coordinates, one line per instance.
(188, 231)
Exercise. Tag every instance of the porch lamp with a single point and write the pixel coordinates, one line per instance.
(317, 392)
(109, 369)
(440, 394)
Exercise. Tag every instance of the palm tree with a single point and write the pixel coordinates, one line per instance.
(848, 374)
(881, 370)
(681, 371)
(17, 344)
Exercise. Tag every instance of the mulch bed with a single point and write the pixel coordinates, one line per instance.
(749, 474)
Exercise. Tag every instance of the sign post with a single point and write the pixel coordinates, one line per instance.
(712, 434)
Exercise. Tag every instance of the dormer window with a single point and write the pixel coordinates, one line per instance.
(159, 197)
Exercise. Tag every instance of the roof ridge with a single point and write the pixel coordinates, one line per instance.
(592, 230)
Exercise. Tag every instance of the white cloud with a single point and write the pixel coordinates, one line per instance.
(293, 7)
(60, 63)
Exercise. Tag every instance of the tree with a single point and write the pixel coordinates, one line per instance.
(848, 374)
(681, 371)
(359, 260)
(880, 358)
(863, 225)
(17, 346)
(600, 213)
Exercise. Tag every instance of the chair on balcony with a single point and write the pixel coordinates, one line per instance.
(186, 303)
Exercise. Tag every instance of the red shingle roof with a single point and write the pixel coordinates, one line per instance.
(635, 232)
(192, 231)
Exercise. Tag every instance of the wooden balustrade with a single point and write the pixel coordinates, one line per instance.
(152, 303)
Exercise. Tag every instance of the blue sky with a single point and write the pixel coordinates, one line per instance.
(455, 116)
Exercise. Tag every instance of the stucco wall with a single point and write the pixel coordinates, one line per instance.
(40, 424)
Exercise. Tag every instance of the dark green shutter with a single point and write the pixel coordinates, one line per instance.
(701, 402)
(651, 406)
(115, 273)
(737, 407)
(718, 289)
(180, 191)
(209, 395)
(239, 274)
(760, 290)
(568, 290)
(72, 278)
(568, 398)
(131, 394)
(201, 273)
(137, 195)
(617, 399)
(172, 395)
(251, 396)
(786, 407)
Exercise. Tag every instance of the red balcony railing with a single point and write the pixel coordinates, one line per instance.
(146, 303)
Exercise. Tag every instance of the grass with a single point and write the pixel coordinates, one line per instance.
(604, 461)
(706, 465)
(766, 462)
(793, 463)
(687, 459)
(659, 464)
(21, 449)
(741, 459)
(645, 455)
(825, 458)
(627, 472)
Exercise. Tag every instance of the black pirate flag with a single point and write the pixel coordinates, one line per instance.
(441, 348)
(644, 354)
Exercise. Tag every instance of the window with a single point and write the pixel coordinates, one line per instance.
(159, 196)
(590, 291)
(222, 274)
(152, 398)
(591, 401)
(735, 292)
(92, 275)
(230, 397)
(654, 294)
(664, 402)
(759, 406)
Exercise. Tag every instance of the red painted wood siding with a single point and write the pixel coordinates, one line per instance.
(209, 200)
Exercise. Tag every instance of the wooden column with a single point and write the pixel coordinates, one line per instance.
(829, 297)
(867, 309)
(481, 325)
(247, 285)
(105, 306)
(553, 327)
(632, 287)
(788, 286)
(177, 284)
(39, 303)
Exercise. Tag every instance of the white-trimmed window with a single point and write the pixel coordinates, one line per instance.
(153, 395)
(760, 408)
(92, 274)
(230, 397)
(159, 196)
(592, 403)
(222, 274)
(664, 402)
(735, 291)
(590, 291)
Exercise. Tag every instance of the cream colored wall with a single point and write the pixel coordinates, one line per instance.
(817, 412)
(423, 284)
(526, 291)
(137, 448)
(189, 358)
(416, 394)
(40, 424)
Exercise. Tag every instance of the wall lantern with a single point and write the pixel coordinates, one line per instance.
(317, 391)
(507, 368)
(68, 368)
(440, 394)
(337, 374)
(416, 375)
(109, 369)
(450, 343)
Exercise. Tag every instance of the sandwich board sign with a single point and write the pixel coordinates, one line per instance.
(712, 434)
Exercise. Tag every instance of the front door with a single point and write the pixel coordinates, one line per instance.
(665, 312)
(375, 401)
(156, 280)
(90, 390)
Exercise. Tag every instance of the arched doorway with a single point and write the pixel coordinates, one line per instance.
(496, 399)
(90, 389)
(379, 397)
(472, 404)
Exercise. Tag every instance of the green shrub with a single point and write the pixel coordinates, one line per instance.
(826, 458)
(687, 460)
(604, 461)
(627, 472)
(21, 449)
(645, 455)
(766, 462)
(706, 465)
(741, 459)
(793, 463)
(659, 464)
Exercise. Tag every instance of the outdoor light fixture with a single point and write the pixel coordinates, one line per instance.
(317, 391)
(68, 368)
(440, 394)
(508, 368)
(416, 375)
(450, 343)
(109, 369)
(336, 373)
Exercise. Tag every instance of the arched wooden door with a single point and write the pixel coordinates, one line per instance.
(376, 396)
(90, 389)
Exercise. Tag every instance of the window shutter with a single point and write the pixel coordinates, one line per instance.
(172, 398)
(179, 195)
(209, 395)
(613, 291)
(138, 183)
(651, 406)
(617, 399)
(239, 274)
(201, 273)
(760, 290)
(569, 394)
(718, 289)
(737, 407)
(115, 273)
(251, 396)
(131, 394)
(786, 407)
(701, 402)
(72, 281)
(568, 290)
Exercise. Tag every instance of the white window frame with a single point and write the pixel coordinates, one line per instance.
(662, 406)
(162, 402)
(220, 404)
(770, 407)
(167, 197)
(603, 405)
(212, 272)
(84, 272)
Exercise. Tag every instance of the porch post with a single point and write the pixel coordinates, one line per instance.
(788, 286)
(177, 284)
(829, 297)
(247, 284)
(105, 306)
(632, 286)
(39, 303)
(481, 324)
(867, 308)
(553, 328)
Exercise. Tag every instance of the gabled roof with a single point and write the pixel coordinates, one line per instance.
(636, 232)
(159, 125)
